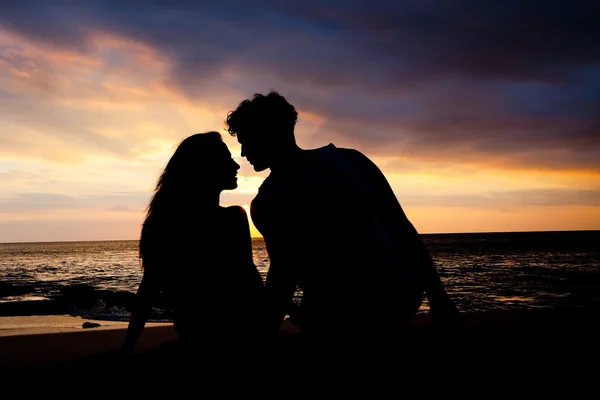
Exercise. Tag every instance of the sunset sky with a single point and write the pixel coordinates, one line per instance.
(484, 116)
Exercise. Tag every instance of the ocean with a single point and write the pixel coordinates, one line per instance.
(481, 271)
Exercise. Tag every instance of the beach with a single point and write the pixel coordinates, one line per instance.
(38, 354)
(28, 341)
(44, 354)
(40, 351)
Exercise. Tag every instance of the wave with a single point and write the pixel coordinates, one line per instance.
(80, 300)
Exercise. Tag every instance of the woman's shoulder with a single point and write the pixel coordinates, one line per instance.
(236, 212)
(237, 220)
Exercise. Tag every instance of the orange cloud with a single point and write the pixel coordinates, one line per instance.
(532, 218)
(105, 120)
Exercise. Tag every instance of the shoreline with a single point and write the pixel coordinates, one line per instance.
(46, 324)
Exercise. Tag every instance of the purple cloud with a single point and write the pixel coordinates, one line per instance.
(460, 80)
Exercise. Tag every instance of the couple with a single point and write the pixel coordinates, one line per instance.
(332, 228)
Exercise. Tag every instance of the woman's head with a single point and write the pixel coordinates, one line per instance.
(200, 168)
(198, 171)
(201, 161)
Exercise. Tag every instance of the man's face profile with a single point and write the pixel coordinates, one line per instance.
(255, 149)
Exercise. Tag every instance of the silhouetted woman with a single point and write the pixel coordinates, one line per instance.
(196, 254)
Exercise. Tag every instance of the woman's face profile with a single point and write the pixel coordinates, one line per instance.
(224, 169)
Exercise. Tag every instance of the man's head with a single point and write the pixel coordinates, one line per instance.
(264, 126)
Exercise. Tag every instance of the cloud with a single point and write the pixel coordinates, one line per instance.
(487, 104)
(65, 106)
(513, 198)
(60, 229)
(49, 202)
(458, 80)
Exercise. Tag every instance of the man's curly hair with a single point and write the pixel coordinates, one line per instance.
(271, 112)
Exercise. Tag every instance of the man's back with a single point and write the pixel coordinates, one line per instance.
(333, 227)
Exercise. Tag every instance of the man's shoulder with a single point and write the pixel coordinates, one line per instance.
(352, 153)
(347, 158)
(266, 184)
(346, 152)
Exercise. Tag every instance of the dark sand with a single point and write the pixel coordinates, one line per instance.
(547, 351)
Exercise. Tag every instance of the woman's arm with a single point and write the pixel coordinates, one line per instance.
(144, 299)
(279, 289)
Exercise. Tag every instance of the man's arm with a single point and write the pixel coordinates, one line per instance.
(279, 290)
(441, 306)
(279, 283)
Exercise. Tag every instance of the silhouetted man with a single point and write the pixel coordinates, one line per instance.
(333, 228)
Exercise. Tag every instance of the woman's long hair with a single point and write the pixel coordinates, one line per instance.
(181, 177)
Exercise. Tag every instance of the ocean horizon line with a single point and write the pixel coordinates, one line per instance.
(260, 237)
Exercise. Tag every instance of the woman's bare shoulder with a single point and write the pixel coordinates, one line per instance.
(237, 212)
